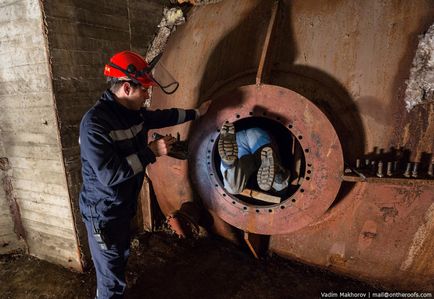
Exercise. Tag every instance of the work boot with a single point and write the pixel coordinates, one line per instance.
(281, 178)
(227, 146)
(265, 175)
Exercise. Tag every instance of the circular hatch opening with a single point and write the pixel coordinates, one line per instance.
(313, 136)
(290, 155)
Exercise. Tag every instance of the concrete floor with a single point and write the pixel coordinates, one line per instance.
(162, 266)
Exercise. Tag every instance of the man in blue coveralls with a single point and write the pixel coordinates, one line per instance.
(114, 154)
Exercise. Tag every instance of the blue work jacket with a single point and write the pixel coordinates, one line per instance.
(114, 153)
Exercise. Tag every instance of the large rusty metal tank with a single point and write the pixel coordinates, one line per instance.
(329, 78)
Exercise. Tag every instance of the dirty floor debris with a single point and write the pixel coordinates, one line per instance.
(162, 266)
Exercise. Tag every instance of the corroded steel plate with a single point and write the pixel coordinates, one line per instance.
(314, 132)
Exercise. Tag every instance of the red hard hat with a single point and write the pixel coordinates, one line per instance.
(132, 66)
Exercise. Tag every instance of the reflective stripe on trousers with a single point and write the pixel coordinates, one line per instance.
(110, 264)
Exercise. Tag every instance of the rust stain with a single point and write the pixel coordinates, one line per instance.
(337, 254)
(13, 205)
(422, 233)
(426, 143)
(389, 213)
(336, 259)
(367, 234)
(409, 195)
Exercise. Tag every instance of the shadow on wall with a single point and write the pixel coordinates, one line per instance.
(234, 60)
(395, 162)
(327, 93)
(239, 53)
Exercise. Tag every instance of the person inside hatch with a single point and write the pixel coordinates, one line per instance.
(245, 153)
(114, 152)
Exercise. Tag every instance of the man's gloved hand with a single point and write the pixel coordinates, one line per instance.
(162, 146)
(178, 149)
(203, 108)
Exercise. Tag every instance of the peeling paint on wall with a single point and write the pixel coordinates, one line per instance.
(171, 18)
(420, 85)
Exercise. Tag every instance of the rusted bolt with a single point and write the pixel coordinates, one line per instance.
(380, 169)
(373, 166)
(414, 172)
(395, 166)
(407, 170)
(389, 169)
(357, 163)
(367, 162)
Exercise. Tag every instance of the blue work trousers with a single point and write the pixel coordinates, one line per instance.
(110, 263)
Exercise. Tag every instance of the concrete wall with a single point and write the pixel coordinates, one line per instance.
(10, 237)
(82, 36)
(51, 61)
(29, 134)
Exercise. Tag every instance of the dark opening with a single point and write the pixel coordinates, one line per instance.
(289, 151)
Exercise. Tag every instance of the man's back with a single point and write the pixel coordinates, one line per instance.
(109, 133)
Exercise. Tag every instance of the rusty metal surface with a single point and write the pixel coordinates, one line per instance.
(390, 172)
(396, 181)
(265, 62)
(351, 59)
(320, 144)
(203, 76)
(383, 234)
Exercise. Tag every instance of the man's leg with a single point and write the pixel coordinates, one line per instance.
(236, 176)
(271, 174)
(259, 142)
(245, 143)
(256, 139)
(110, 263)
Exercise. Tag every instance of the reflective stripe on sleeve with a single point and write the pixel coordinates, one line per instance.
(135, 164)
(181, 115)
(197, 113)
(119, 135)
